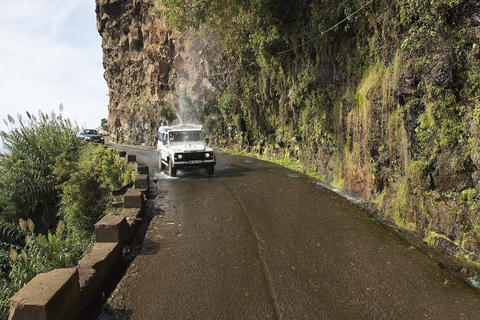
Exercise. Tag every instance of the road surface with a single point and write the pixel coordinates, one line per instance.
(258, 241)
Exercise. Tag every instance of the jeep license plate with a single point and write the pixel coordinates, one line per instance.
(194, 161)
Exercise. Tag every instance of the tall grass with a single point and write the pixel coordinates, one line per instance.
(26, 182)
(53, 189)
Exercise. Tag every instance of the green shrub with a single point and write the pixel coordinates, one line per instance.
(86, 190)
(27, 187)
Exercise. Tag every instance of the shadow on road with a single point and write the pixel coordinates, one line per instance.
(117, 314)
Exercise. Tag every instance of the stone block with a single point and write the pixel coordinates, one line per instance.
(131, 157)
(132, 214)
(102, 259)
(133, 199)
(133, 217)
(90, 283)
(52, 295)
(141, 181)
(112, 228)
(141, 168)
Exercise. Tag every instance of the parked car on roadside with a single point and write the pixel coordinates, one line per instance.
(90, 135)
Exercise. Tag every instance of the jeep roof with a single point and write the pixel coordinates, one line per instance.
(181, 127)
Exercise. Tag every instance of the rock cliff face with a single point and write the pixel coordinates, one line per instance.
(385, 106)
(146, 66)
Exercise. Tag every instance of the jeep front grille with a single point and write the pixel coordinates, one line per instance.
(193, 156)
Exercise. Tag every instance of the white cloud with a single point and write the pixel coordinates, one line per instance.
(50, 53)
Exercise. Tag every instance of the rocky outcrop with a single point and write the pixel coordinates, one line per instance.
(146, 66)
(385, 106)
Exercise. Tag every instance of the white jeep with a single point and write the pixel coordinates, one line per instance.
(183, 147)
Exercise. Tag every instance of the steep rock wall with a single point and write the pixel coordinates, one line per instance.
(384, 105)
(146, 66)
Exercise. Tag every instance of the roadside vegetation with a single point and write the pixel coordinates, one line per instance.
(53, 189)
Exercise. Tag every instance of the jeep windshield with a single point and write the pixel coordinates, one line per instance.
(184, 136)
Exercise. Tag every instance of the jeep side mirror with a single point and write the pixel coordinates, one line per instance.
(207, 141)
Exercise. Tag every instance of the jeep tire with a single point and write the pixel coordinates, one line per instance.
(161, 165)
(172, 172)
(210, 170)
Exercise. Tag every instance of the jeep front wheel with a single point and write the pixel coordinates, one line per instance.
(171, 170)
(210, 170)
(161, 165)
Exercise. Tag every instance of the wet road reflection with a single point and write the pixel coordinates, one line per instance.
(258, 241)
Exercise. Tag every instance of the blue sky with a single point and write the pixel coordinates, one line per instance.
(50, 54)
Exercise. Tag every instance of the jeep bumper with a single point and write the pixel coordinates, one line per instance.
(193, 164)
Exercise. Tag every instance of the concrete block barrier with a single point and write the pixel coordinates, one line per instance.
(112, 228)
(141, 168)
(133, 217)
(133, 199)
(103, 258)
(95, 267)
(90, 282)
(130, 158)
(141, 181)
(52, 295)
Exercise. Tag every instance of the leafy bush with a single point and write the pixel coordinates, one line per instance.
(86, 190)
(47, 175)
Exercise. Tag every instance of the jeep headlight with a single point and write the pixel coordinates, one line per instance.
(178, 156)
(208, 155)
(88, 138)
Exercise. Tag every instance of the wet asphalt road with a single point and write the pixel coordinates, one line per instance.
(258, 241)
